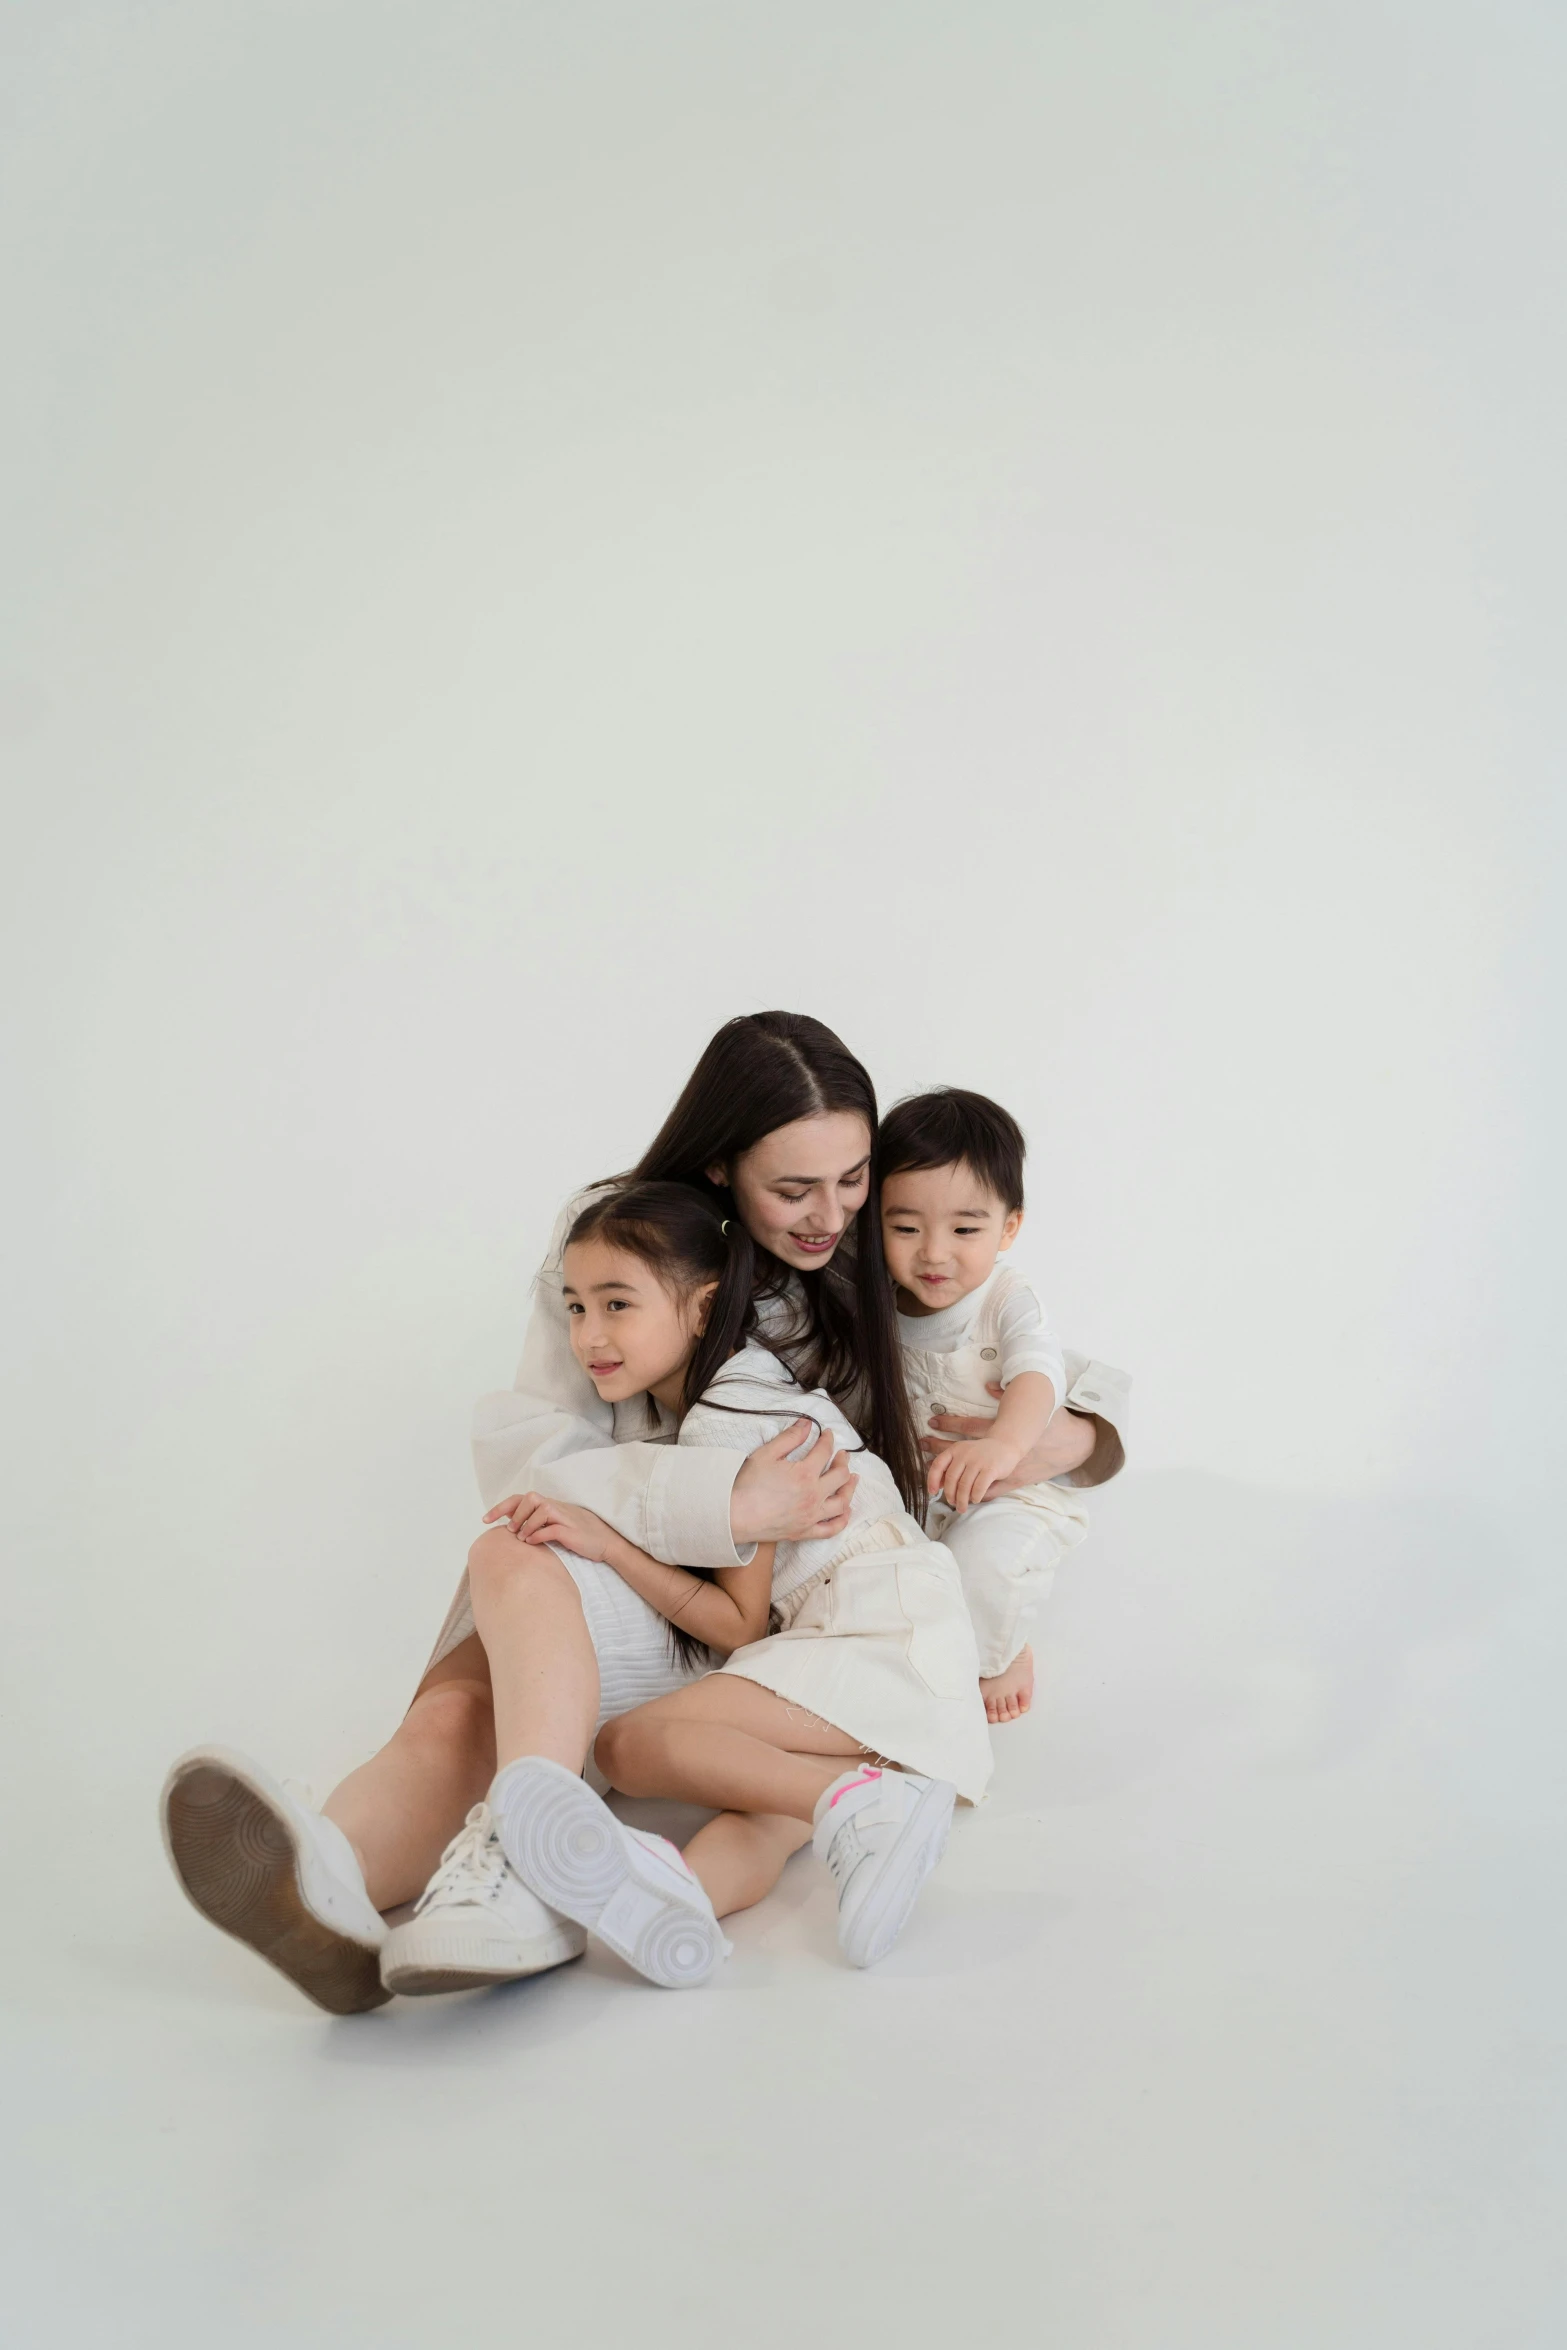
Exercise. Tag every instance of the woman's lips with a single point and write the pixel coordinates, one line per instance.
(815, 1244)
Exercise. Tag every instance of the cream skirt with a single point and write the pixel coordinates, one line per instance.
(880, 1645)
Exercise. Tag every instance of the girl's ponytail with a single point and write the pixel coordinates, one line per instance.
(731, 1312)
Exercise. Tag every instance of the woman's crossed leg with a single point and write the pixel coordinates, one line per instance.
(307, 1889)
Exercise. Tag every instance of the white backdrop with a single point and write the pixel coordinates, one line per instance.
(1029, 532)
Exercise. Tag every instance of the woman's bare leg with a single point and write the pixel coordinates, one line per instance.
(543, 1671)
(402, 1808)
(740, 1858)
(728, 1742)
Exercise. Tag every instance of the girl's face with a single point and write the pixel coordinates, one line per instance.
(800, 1188)
(631, 1335)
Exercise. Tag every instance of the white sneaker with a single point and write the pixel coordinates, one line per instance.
(266, 1868)
(476, 1922)
(635, 1890)
(880, 1833)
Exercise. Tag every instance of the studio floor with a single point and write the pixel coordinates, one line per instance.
(1231, 2022)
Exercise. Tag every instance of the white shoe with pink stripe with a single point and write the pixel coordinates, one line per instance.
(880, 1833)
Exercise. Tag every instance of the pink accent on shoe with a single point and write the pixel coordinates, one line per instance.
(863, 1780)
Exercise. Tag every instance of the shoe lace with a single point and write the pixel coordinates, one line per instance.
(845, 1853)
(473, 1864)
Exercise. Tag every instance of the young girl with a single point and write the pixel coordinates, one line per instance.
(874, 1654)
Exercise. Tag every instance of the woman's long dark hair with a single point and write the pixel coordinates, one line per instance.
(685, 1244)
(762, 1071)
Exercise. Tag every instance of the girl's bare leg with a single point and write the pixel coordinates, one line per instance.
(543, 1671)
(401, 1809)
(728, 1742)
(739, 1859)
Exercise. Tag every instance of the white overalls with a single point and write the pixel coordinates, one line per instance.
(1006, 1549)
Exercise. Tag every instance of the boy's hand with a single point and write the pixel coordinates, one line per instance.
(533, 1517)
(965, 1473)
(1066, 1444)
(956, 1425)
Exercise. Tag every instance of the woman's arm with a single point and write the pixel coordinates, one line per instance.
(724, 1614)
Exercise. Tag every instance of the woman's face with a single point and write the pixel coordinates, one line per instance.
(799, 1189)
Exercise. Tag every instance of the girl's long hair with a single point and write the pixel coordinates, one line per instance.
(685, 1244)
(762, 1071)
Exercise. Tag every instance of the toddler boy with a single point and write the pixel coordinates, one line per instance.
(951, 1203)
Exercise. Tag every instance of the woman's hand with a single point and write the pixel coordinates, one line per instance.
(776, 1499)
(966, 1474)
(1066, 1444)
(533, 1517)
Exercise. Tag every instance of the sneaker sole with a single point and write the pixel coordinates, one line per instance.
(573, 1853)
(921, 1841)
(237, 1859)
(443, 1959)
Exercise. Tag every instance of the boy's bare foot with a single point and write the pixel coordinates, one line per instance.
(1009, 1695)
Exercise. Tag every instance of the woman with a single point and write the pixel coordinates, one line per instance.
(776, 1126)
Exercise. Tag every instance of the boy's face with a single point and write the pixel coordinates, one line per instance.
(942, 1231)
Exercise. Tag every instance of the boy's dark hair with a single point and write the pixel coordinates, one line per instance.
(942, 1128)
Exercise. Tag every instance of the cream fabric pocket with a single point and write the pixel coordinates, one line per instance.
(941, 1644)
(864, 1601)
(912, 1600)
